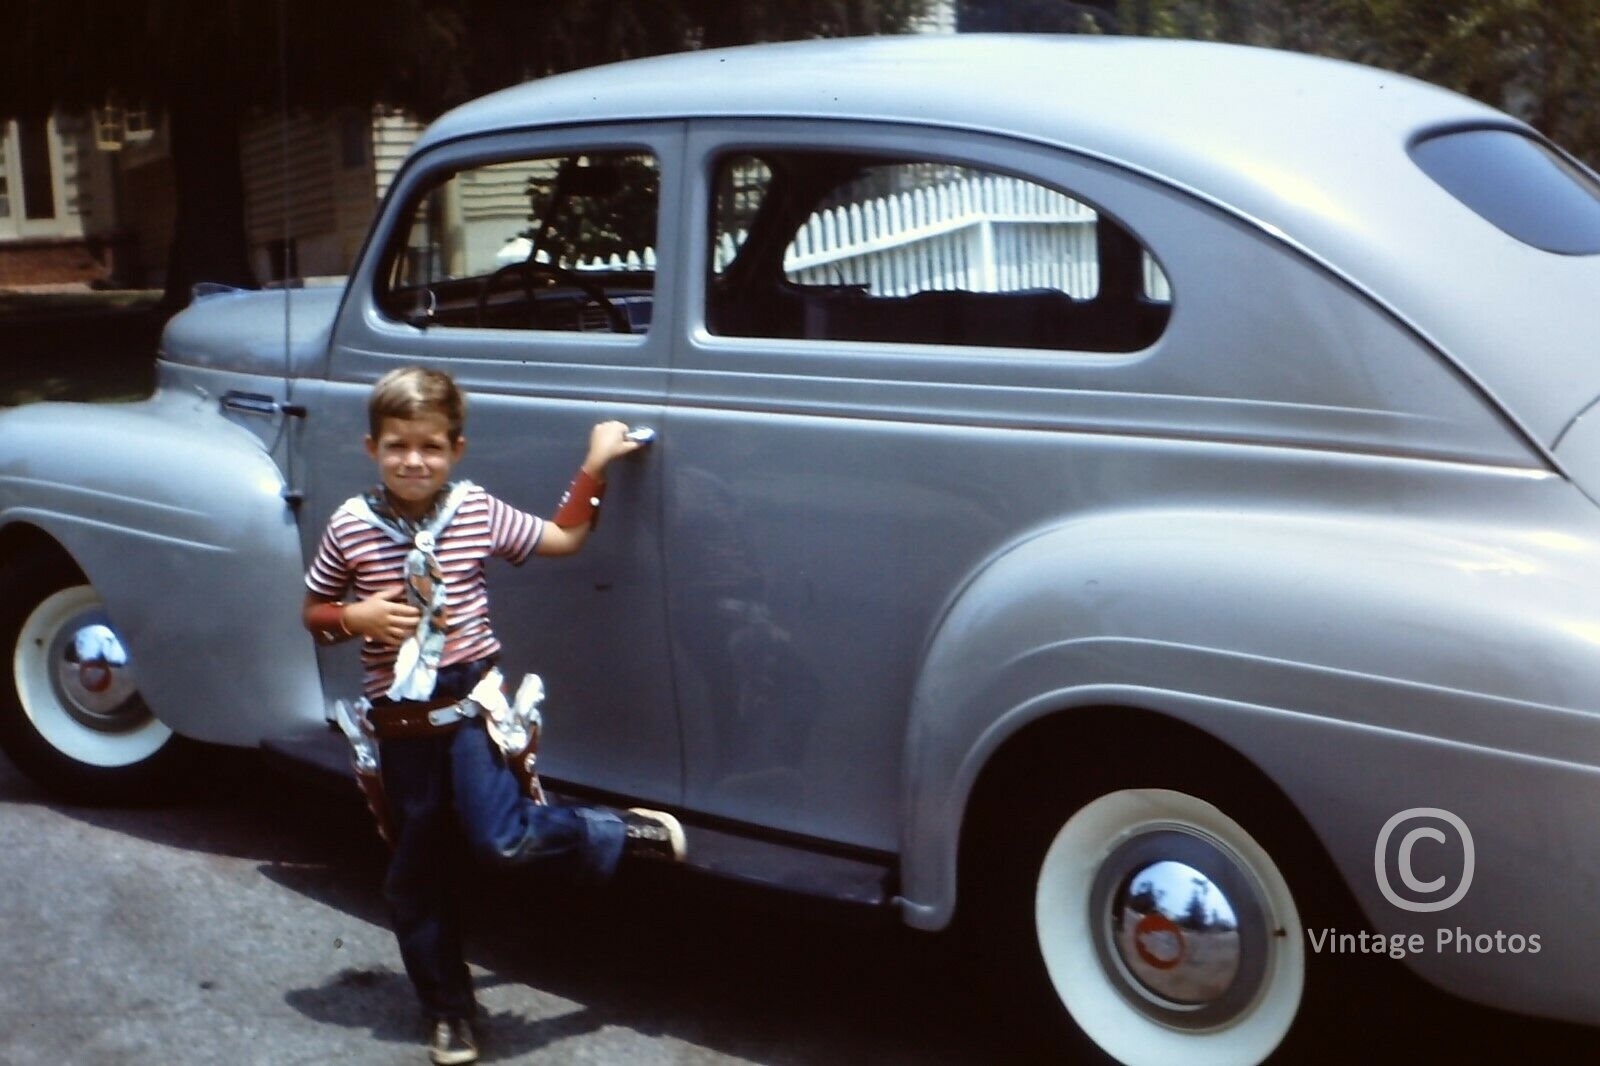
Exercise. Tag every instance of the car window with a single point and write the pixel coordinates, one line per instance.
(553, 243)
(835, 246)
(1518, 184)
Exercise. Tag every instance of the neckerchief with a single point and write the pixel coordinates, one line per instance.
(416, 665)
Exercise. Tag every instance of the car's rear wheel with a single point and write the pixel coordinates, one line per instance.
(1146, 916)
(1168, 932)
(71, 717)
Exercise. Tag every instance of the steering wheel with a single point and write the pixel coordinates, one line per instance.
(527, 268)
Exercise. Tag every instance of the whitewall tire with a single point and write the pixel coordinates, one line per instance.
(1168, 932)
(71, 716)
(76, 686)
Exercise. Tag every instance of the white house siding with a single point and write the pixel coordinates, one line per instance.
(289, 192)
(494, 207)
(393, 134)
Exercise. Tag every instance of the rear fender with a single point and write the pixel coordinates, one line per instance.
(1275, 633)
(177, 518)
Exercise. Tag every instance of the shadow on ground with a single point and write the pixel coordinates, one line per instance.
(664, 953)
(379, 1002)
(659, 952)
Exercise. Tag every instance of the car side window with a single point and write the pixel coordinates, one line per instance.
(817, 245)
(553, 243)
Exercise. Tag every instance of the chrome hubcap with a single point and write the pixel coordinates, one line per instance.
(92, 675)
(1168, 932)
(75, 680)
(1182, 930)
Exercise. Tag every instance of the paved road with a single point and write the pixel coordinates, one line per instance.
(243, 931)
(248, 929)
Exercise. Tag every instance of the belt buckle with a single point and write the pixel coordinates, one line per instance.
(445, 715)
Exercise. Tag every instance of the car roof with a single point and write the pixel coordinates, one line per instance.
(1219, 117)
(1311, 150)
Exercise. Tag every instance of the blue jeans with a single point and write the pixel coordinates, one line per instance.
(452, 799)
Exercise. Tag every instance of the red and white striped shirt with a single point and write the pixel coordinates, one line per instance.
(354, 555)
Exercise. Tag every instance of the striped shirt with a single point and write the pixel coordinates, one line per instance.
(354, 555)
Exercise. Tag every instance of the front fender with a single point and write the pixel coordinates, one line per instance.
(1254, 627)
(177, 518)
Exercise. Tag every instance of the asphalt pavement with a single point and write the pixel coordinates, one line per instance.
(246, 926)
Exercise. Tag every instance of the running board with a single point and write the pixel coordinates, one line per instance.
(322, 757)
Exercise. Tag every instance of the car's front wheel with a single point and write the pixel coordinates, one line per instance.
(71, 717)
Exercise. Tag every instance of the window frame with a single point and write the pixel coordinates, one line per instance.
(368, 341)
(417, 200)
(1266, 343)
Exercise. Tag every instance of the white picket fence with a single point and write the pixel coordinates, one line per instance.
(983, 234)
(645, 260)
(979, 234)
(516, 250)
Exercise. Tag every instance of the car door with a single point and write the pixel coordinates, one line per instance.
(524, 266)
(880, 321)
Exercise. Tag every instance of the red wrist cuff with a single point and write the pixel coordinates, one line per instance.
(580, 505)
(326, 622)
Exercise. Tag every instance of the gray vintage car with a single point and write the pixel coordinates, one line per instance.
(1141, 493)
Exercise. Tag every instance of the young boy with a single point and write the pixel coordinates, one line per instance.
(410, 553)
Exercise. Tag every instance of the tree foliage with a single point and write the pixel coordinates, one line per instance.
(426, 55)
(1035, 16)
(208, 65)
(1538, 59)
(538, 39)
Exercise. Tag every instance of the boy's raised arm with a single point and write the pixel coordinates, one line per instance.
(565, 533)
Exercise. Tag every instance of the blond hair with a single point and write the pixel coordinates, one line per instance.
(415, 391)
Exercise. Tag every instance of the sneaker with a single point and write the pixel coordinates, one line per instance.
(653, 834)
(452, 1042)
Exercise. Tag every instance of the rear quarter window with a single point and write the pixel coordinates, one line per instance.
(1524, 187)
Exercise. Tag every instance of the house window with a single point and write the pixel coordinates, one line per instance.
(819, 245)
(38, 182)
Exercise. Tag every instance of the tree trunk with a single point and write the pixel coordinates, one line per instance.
(208, 240)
